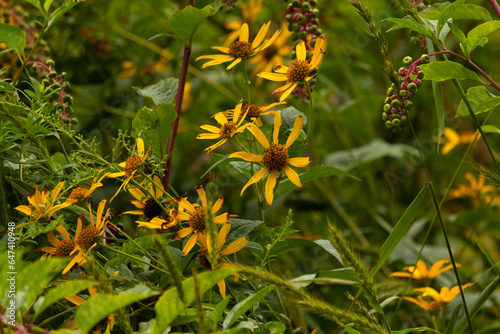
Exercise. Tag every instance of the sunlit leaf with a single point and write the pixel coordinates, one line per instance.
(477, 36)
(480, 100)
(404, 23)
(464, 11)
(447, 70)
(185, 22)
(13, 37)
(447, 14)
(163, 91)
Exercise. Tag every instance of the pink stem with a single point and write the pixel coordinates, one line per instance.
(496, 7)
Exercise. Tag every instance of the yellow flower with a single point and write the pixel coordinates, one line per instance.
(234, 247)
(160, 223)
(43, 203)
(196, 215)
(299, 70)
(421, 272)
(62, 248)
(81, 193)
(275, 157)
(77, 300)
(146, 203)
(242, 49)
(248, 15)
(452, 139)
(131, 166)
(253, 111)
(474, 190)
(227, 130)
(445, 295)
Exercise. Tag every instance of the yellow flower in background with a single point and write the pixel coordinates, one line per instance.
(130, 167)
(253, 111)
(81, 193)
(146, 203)
(196, 215)
(432, 306)
(299, 70)
(445, 295)
(232, 248)
(452, 139)
(275, 157)
(160, 223)
(43, 203)
(242, 49)
(227, 130)
(474, 190)
(421, 272)
(248, 15)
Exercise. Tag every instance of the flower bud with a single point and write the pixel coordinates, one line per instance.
(396, 103)
(387, 107)
(407, 60)
(388, 124)
(412, 87)
(424, 59)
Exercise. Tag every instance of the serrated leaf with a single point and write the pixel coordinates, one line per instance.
(100, 306)
(480, 101)
(185, 22)
(163, 91)
(447, 14)
(154, 126)
(399, 230)
(477, 36)
(239, 309)
(447, 70)
(404, 23)
(241, 228)
(314, 173)
(13, 37)
(170, 305)
(66, 289)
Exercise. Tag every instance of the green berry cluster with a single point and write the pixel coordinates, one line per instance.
(398, 101)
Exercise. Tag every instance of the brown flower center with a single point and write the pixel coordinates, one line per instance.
(202, 258)
(132, 164)
(241, 49)
(435, 306)
(297, 71)
(65, 248)
(88, 236)
(197, 219)
(252, 110)
(274, 157)
(78, 194)
(270, 52)
(227, 130)
(151, 208)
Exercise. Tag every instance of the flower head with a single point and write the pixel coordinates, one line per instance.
(147, 204)
(232, 248)
(275, 157)
(81, 193)
(253, 112)
(88, 236)
(475, 190)
(445, 295)
(62, 248)
(421, 272)
(453, 139)
(299, 70)
(43, 203)
(197, 215)
(228, 129)
(162, 224)
(241, 49)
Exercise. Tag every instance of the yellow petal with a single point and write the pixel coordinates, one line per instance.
(233, 64)
(214, 146)
(273, 76)
(217, 205)
(246, 156)
(24, 209)
(261, 34)
(301, 51)
(235, 246)
(269, 42)
(237, 112)
(217, 62)
(137, 193)
(292, 176)
(297, 129)
(210, 128)
(56, 191)
(269, 188)
(259, 135)
(288, 92)
(257, 176)
(221, 49)
(190, 244)
(319, 49)
(202, 195)
(277, 125)
(208, 136)
(140, 147)
(77, 300)
(223, 232)
(184, 232)
(298, 162)
(222, 288)
(244, 32)
(184, 203)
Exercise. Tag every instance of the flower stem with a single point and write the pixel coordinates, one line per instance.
(178, 108)
(438, 212)
(247, 82)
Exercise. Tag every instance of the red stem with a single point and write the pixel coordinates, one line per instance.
(496, 7)
(178, 107)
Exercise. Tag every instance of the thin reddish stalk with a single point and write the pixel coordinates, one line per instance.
(178, 108)
(496, 7)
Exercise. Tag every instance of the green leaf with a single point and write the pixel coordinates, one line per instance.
(56, 14)
(170, 305)
(463, 12)
(453, 319)
(239, 309)
(490, 129)
(218, 312)
(447, 70)
(327, 246)
(458, 34)
(447, 14)
(476, 305)
(345, 276)
(275, 327)
(288, 116)
(488, 256)
(66, 289)
(404, 23)
(13, 37)
(154, 126)
(314, 173)
(363, 155)
(47, 4)
(399, 230)
(480, 100)
(477, 36)
(438, 98)
(411, 330)
(241, 228)
(37, 4)
(351, 330)
(185, 22)
(163, 91)
(35, 277)
(100, 306)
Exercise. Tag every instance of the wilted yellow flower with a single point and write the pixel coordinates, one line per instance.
(421, 272)
(147, 204)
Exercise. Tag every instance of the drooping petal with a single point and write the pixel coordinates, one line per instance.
(297, 129)
(269, 188)
(319, 49)
(261, 34)
(288, 91)
(133, 212)
(421, 270)
(184, 203)
(235, 246)
(257, 176)
(246, 156)
(244, 33)
(277, 125)
(223, 232)
(298, 162)
(24, 209)
(292, 176)
(269, 106)
(217, 61)
(214, 146)
(140, 147)
(237, 112)
(100, 209)
(190, 244)
(77, 300)
(222, 288)
(137, 193)
(259, 135)
(217, 205)
(63, 232)
(420, 302)
(52, 239)
(56, 191)
(221, 219)
(233, 64)
(216, 57)
(273, 76)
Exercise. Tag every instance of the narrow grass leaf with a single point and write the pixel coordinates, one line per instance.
(399, 230)
(239, 309)
(66, 289)
(351, 330)
(218, 312)
(453, 319)
(476, 306)
(488, 256)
